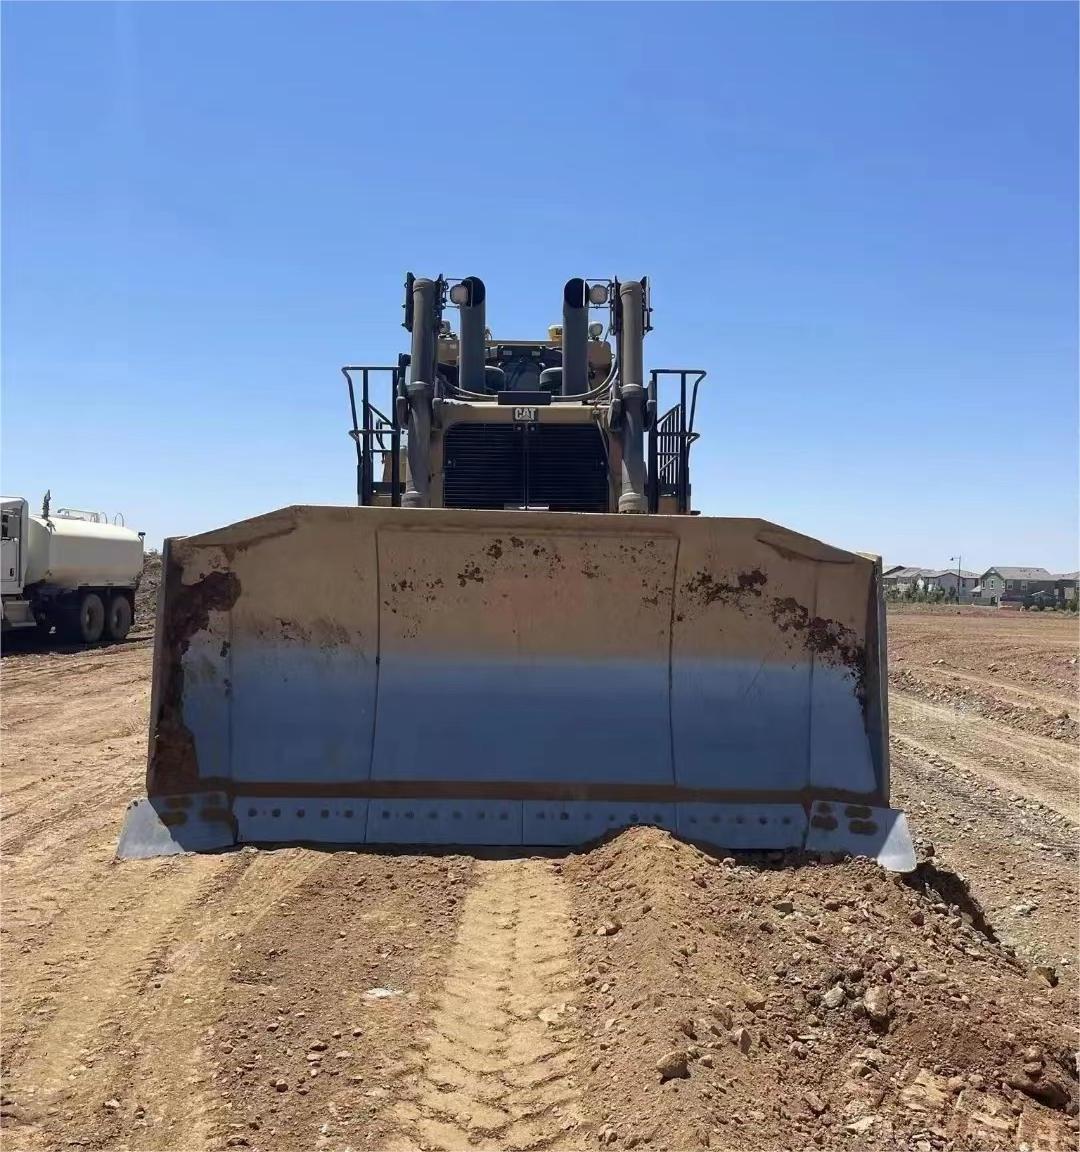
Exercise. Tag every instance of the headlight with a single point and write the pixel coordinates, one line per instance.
(459, 294)
(598, 293)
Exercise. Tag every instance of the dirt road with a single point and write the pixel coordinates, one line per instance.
(305, 999)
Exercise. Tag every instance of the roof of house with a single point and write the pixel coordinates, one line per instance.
(1020, 573)
(905, 573)
(1067, 576)
(964, 575)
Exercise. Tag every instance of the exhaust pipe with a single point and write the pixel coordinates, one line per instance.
(632, 390)
(425, 316)
(472, 351)
(575, 338)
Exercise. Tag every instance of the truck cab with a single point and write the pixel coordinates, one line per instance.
(14, 514)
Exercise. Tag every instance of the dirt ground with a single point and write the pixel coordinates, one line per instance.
(639, 994)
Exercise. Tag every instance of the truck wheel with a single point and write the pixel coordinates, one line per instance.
(87, 622)
(118, 619)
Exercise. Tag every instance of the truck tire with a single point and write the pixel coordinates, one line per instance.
(86, 622)
(118, 618)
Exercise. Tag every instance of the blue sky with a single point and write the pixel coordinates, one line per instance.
(860, 218)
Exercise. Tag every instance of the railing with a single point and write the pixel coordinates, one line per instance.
(670, 438)
(82, 514)
(376, 435)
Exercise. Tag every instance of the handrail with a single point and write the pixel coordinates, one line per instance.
(369, 433)
(671, 437)
(81, 514)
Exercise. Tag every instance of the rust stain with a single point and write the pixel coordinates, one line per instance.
(494, 549)
(863, 827)
(833, 641)
(174, 764)
(470, 572)
(709, 590)
(827, 638)
(824, 821)
(291, 630)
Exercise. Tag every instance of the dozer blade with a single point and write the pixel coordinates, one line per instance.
(378, 675)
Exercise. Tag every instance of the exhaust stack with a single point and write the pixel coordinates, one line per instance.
(632, 390)
(423, 319)
(472, 351)
(575, 338)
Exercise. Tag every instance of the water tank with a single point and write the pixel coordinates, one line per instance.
(74, 553)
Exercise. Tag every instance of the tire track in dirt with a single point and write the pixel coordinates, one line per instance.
(1043, 769)
(162, 1073)
(128, 1002)
(496, 1066)
(99, 949)
(107, 802)
(62, 845)
(1009, 691)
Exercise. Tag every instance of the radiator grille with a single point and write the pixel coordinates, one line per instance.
(562, 466)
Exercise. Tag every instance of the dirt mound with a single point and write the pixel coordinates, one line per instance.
(780, 1002)
(986, 703)
(146, 595)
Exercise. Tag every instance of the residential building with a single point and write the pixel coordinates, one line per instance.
(902, 580)
(948, 580)
(1013, 585)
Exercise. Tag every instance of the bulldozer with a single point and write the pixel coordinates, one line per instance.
(524, 633)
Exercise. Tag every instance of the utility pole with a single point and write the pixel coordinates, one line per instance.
(959, 561)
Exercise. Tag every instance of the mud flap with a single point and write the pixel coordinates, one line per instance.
(170, 825)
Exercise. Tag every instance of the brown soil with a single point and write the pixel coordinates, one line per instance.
(1036, 651)
(234, 1000)
(146, 595)
(761, 973)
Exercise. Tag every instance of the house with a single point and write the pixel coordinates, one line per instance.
(901, 580)
(1013, 585)
(947, 580)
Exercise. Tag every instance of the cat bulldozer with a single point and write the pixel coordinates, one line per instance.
(523, 634)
